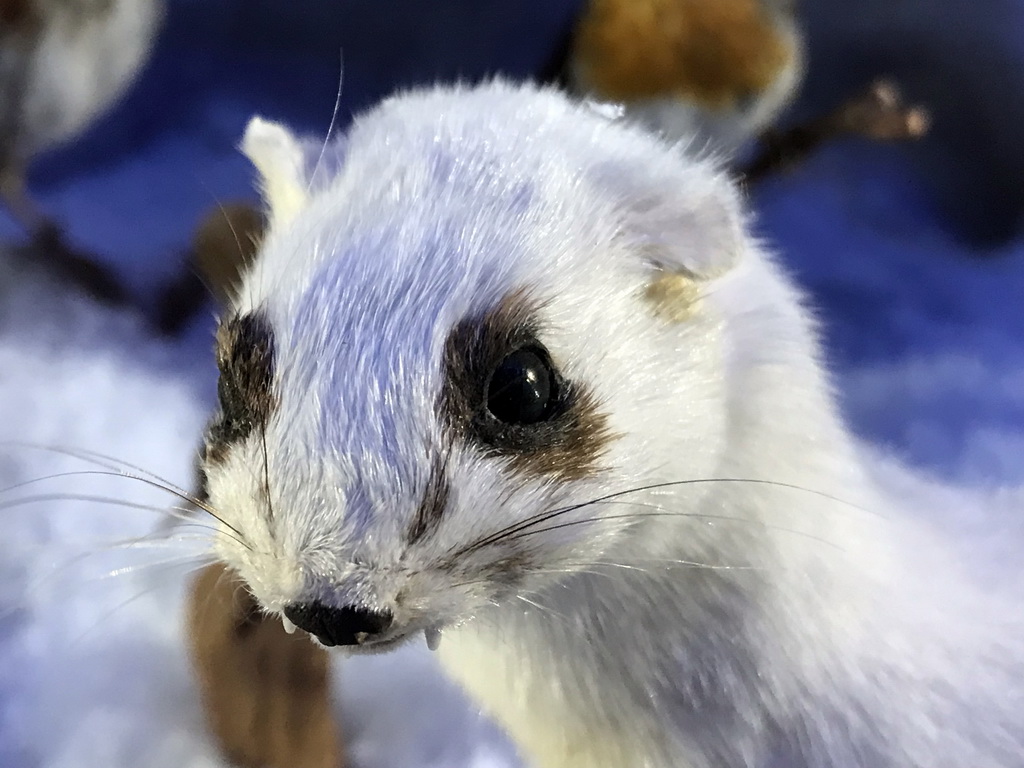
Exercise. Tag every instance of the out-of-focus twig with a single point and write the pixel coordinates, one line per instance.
(879, 114)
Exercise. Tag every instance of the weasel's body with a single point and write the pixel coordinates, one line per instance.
(677, 556)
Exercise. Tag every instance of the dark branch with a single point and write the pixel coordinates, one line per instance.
(878, 114)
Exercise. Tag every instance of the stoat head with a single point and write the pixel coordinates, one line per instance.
(717, 71)
(474, 316)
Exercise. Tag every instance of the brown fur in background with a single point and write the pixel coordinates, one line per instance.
(266, 693)
(711, 51)
(224, 243)
(13, 11)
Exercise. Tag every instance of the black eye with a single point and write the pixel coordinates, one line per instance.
(522, 388)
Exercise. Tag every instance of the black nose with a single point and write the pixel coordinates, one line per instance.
(338, 626)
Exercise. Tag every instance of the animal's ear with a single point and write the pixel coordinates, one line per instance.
(279, 158)
(685, 217)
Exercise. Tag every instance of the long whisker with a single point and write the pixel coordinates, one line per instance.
(666, 562)
(540, 607)
(96, 473)
(138, 542)
(149, 541)
(334, 120)
(153, 482)
(551, 514)
(590, 566)
(179, 513)
(696, 515)
(238, 244)
(200, 560)
(47, 497)
(116, 468)
(53, 574)
(166, 538)
(125, 603)
(89, 498)
(99, 459)
(570, 568)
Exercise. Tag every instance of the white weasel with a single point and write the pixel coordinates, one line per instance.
(512, 372)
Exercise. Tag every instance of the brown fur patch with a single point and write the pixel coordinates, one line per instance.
(713, 51)
(673, 297)
(566, 446)
(266, 694)
(223, 245)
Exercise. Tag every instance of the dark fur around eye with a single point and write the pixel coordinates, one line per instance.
(504, 394)
(245, 357)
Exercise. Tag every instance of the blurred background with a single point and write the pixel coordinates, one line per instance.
(912, 252)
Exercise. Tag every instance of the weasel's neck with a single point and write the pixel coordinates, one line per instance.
(650, 661)
(658, 665)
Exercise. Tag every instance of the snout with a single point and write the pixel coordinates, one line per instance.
(349, 625)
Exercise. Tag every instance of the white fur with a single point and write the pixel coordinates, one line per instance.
(278, 158)
(841, 612)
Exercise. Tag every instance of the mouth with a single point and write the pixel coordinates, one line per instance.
(367, 644)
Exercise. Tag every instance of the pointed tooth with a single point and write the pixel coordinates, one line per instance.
(433, 637)
(288, 626)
